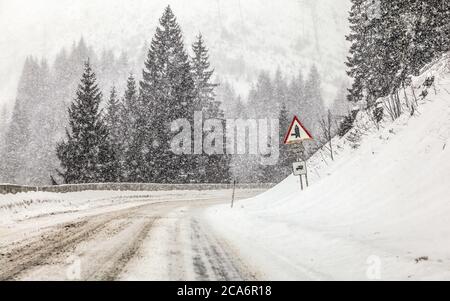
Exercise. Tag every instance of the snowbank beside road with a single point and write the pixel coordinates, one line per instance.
(16, 207)
(381, 210)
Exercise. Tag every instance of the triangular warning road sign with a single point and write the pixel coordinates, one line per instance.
(297, 132)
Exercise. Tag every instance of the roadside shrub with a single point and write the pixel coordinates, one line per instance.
(347, 123)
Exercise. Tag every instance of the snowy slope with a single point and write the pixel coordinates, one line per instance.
(384, 204)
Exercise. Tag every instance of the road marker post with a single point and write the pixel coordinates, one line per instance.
(234, 190)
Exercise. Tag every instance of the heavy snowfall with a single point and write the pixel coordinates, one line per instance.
(117, 161)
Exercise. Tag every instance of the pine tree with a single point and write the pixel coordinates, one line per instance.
(115, 137)
(226, 95)
(167, 90)
(87, 156)
(262, 103)
(201, 73)
(358, 36)
(378, 51)
(79, 53)
(287, 152)
(312, 105)
(280, 93)
(389, 48)
(213, 168)
(374, 55)
(3, 123)
(112, 118)
(284, 96)
(41, 143)
(436, 25)
(132, 119)
(43, 96)
(18, 135)
(123, 66)
(430, 24)
(296, 95)
(245, 168)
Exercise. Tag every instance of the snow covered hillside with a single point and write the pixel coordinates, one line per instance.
(381, 210)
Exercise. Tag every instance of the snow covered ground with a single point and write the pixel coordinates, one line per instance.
(22, 206)
(102, 235)
(381, 210)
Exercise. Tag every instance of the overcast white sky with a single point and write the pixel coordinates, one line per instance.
(42, 27)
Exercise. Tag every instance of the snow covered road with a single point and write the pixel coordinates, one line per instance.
(138, 240)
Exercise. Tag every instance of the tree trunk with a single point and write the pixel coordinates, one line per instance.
(414, 95)
(398, 104)
(406, 96)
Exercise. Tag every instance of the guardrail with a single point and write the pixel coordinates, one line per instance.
(5, 189)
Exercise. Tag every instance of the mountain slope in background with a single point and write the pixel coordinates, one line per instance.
(243, 36)
(379, 211)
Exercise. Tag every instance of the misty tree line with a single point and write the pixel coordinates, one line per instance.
(391, 42)
(280, 96)
(39, 114)
(124, 136)
(131, 142)
(134, 135)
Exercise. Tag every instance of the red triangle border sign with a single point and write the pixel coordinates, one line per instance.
(290, 129)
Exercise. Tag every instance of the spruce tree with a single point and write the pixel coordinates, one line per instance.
(113, 123)
(18, 134)
(3, 123)
(227, 97)
(201, 73)
(280, 93)
(112, 116)
(261, 98)
(296, 95)
(276, 173)
(390, 47)
(132, 121)
(313, 104)
(437, 22)
(355, 61)
(213, 168)
(430, 24)
(87, 155)
(287, 152)
(167, 90)
(41, 143)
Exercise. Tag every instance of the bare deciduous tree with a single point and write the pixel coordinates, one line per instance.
(326, 126)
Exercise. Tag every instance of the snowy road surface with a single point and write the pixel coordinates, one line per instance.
(142, 240)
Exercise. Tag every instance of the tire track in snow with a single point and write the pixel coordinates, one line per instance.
(53, 246)
(213, 259)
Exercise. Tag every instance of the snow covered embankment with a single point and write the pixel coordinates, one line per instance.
(20, 206)
(381, 210)
(26, 205)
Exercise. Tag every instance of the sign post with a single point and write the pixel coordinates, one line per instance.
(299, 169)
(306, 177)
(296, 134)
